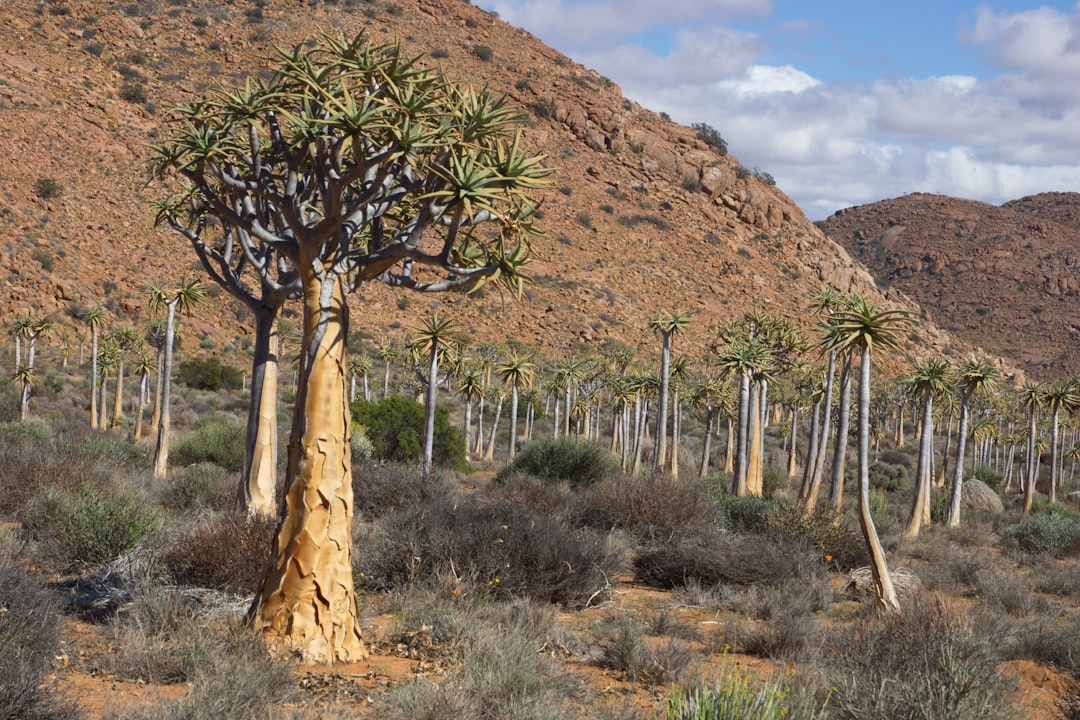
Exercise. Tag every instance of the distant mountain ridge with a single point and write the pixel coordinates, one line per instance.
(1005, 277)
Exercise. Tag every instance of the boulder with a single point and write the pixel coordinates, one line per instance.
(977, 494)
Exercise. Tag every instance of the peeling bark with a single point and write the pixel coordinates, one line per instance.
(306, 606)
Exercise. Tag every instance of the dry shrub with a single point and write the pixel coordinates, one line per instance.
(507, 549)
(29, 462)
(1051, 643)
(652, 507)
(226, 664)
(1054, 578)
(927, 662)
(625, 649)
(382, 488)
(711, 558)
(1009, 593)
(500, 674)
(843, 545)
(785, 626)
(226, 552)
(28, 641)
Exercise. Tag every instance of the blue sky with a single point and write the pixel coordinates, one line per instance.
(847, 102)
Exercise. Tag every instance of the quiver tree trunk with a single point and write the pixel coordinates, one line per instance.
(884, 590)
(258, 486)
(161, 450)
(306, 605)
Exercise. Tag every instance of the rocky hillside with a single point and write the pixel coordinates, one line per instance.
(643, 215)
(1006, 278)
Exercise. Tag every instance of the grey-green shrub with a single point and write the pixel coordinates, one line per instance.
(577, 462)
(1055, 532)
(215, 439)
(88, 526)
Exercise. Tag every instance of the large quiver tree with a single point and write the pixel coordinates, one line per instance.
(355, 164)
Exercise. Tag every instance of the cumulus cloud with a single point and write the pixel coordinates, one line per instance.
(1012, 131)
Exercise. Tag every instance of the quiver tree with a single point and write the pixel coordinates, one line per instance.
(858, 330)
(94, 318)
(184, 297)
(436, 339)
(972, 377)
(668, 325)
(355, 165)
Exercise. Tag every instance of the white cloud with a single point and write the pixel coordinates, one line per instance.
(589, 25)
(829, 146)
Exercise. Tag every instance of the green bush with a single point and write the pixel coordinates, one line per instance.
(578, 462)
(774, 479)
(215, 439)
(209, 374)
(888, 477)
(743, 513)
(483, 52)
(1055, 532)
(395, 427)
(88, 526)
(711, 137)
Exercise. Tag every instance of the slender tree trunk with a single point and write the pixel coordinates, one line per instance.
(102, 397)
(822, 447)
(258, 488)
(478, 449)
(429, 413)
(1031, 471)
(159, 390)
(729, 450)
(958, 473)
(922, 471)
(739, 481)
(811, 451)
(639, 439)
(675, 433)
(662, 407)
(161, 450)
(710, 421)
(118, 399)
(93, 375)
(753, 465)
(843, 421)
(489, 449)
(143, 382)
(513, 421)
(884, 591)
(1052, 493)
(306, 605)
(468, 428)
(792, 437)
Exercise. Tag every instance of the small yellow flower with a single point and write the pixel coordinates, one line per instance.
(828, 558)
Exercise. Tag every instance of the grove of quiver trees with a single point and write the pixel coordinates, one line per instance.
(352, 164)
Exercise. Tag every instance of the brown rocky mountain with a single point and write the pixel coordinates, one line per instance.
(643, 215)
(1006, 278)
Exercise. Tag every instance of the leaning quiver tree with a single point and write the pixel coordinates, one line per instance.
(355, 164)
